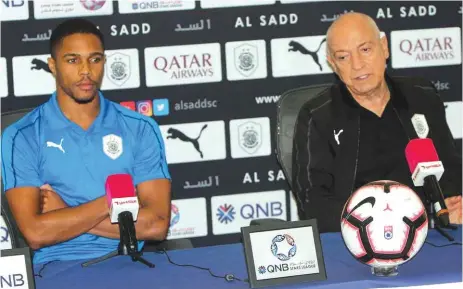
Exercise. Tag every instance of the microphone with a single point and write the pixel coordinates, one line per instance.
(427, 170)
(123, 204)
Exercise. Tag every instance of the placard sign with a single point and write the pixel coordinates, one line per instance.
(16, 269)
(283, 253)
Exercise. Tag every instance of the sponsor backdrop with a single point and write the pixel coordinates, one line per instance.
(210, 73)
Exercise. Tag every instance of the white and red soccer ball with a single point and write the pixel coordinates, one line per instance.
(384, 223)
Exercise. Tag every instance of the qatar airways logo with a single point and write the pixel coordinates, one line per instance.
(426, 47)
(184, 64)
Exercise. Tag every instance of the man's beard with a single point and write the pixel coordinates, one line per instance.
(78, 100)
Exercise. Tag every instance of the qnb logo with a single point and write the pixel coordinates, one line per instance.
(226, 213)
(256, 211)
(4, 236)
(185, 66)
(425, 49)
(283, 256)
(11, 280)
(120, 203)
(13, 3)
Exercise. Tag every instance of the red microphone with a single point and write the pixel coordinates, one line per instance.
(120, 194)
(427, 170)
(123, 204)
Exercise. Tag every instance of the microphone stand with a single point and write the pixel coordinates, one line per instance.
(431, 184)
(435, 223)
(128, 245)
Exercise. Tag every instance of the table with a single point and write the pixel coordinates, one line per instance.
(430, 266)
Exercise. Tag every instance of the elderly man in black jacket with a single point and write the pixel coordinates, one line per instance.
(357, 130)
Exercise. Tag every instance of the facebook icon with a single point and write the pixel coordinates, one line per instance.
(161, 107)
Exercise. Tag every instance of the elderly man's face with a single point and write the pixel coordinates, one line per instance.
(358, 57)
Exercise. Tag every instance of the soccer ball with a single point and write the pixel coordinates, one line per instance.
(93, 4)
(384, 224)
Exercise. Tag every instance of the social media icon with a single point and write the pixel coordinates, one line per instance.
(161, 107)
(145, 107)
(128, 104)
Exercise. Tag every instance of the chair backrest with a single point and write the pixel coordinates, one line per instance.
(8, 233)
(288, 108)
(10, 236)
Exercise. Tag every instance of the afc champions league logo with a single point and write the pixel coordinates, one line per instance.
(93, 4)
(246, 59)
(250, 136)
(274, 247)
(118, 68)
(112, 146)
(175, 215)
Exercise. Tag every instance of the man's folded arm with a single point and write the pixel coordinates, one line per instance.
(313, 179)
(152, 178)
(153, 217)
(41, 230)
(20, 176)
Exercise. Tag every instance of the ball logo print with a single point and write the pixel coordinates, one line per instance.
(118, 68)
(290, 241)
(388, 232)
(226, 213)
(246, 59)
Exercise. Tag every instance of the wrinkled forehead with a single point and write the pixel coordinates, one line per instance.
(350, 38)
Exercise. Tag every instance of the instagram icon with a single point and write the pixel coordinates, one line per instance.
(145, 107)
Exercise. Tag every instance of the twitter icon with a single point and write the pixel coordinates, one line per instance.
(161, 107)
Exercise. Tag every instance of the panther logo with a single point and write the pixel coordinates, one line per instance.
(296, 46)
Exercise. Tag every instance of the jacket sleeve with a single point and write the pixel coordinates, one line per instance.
(312, 175)
(451, 181)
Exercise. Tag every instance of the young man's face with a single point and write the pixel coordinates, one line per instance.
(79, 66)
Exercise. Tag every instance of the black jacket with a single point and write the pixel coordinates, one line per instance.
(324, 172)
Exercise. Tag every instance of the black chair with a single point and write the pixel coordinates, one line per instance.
(18, 240)
(15, 237)
(288, 108)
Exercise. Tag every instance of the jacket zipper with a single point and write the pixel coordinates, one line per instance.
(357, 156)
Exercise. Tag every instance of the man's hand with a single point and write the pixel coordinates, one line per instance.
(454, 206)
(50, 200)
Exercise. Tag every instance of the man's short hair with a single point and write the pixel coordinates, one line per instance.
(72, 26)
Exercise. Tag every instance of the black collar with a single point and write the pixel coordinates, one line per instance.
(398, 100)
